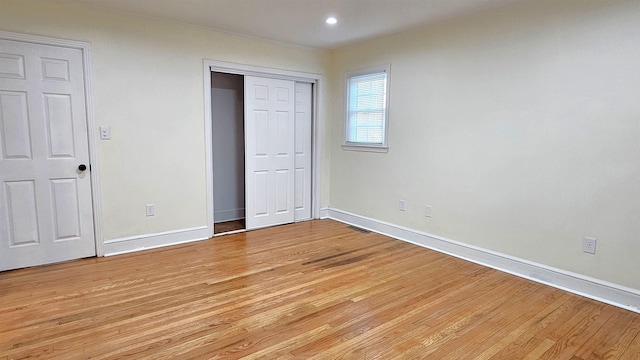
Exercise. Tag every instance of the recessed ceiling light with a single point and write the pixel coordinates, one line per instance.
(331, 20)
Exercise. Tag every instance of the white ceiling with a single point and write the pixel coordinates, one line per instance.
(302, 22)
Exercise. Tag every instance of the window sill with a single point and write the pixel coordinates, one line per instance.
(367, 148)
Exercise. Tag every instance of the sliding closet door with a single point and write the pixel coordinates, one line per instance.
(302, 198)
(270, 151)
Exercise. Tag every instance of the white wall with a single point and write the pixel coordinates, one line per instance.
(521, 127)
(148, 86)
(227, 117)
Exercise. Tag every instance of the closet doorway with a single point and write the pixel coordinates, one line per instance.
(262, 149)
(227, 117)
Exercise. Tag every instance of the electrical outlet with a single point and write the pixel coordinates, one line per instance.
(589, 245)
(427, 211)
(402, 205)
(105, 132)
(150, 209)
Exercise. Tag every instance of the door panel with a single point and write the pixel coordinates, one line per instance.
(269, 139)
(11, 66)
(59, 120)
(302, 196)
(66, 209)
(55, 69)
(16, 140)
(261, 123)
(21, 207)
(283, 189)
(261, 193)
(46, 213)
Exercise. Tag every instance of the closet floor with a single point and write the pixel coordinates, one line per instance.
(227, 226)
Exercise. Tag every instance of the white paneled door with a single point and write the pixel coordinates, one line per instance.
(302, 198)
(269, 151)
(45, 195)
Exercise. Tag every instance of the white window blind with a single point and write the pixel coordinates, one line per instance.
(367, 108)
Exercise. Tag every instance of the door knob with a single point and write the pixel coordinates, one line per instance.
(82, 167)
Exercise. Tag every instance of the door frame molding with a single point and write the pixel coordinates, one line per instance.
(85, 48)
(251, 70)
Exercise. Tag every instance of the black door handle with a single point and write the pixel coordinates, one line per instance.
(82, 167)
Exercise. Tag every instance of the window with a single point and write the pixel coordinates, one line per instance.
(366, 118)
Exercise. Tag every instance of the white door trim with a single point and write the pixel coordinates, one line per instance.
(251, 70)
(88, 76)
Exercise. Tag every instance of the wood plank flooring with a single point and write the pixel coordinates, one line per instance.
(227, 226)
(312, 290)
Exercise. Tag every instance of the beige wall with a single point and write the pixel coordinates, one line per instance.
(521, 127)
(148, 86)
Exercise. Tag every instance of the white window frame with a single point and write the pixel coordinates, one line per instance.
(362, 146)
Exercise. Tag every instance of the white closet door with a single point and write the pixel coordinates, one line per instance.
(269, 144)
(45, 200)
(302, 198)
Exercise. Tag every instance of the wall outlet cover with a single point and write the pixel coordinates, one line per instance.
(427, 210)
(150, 209)
(105, 132)
(589, 245)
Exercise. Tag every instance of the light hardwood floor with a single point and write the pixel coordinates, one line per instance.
(313, 290)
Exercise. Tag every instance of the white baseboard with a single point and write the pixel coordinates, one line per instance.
(324, 213)
(228, 215)
(613, 294)
(151, 241)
